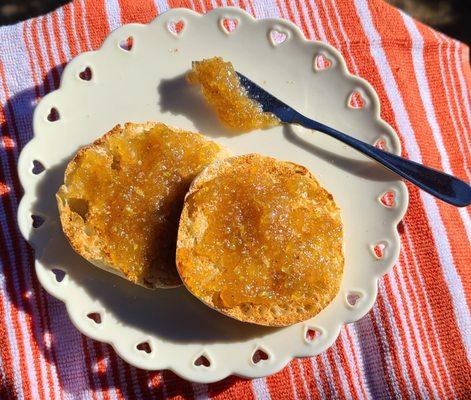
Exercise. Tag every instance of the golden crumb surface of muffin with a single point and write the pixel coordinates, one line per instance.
(222, 90)
(261, 241)
(122, 196)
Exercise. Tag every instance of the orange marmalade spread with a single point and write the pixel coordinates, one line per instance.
(129, 190)
(267, 234)
(222, 90)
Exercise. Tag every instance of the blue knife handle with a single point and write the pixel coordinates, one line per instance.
(443, 186)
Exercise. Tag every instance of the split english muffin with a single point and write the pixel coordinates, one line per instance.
(121, 200)
(260, 241)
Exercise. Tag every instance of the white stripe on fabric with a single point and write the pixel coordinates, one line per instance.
(161, 6)
(400, 343)
(200, 391)
(113, 12)
(260, 389)
(63, 34)
(356, 380)
(455, 286)
(291, 380)
(428, 307)
(303, 379)
(311, 33)
(11, 332)
(317, 377)
(328, 371)
(21, 318)
(74, 28)
(387, 352)
(398, 286)
(320, 27)
(266, 9)
(424, 90)
(465, 152)
(361, 367)
(85, 25)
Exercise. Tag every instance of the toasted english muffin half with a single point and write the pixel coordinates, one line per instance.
(122, 196)
(260, 241)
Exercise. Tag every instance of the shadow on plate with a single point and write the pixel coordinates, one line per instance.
(367, 169)
(171, 314)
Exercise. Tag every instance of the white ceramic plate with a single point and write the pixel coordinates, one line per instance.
(147, 83)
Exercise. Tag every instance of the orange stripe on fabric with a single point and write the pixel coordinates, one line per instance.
(324, 380)
(402, 66)
(297, 378)
(68, 24)
(430, 351)
(402, 328)
(280, 385)
(180, 3)
(354, 29)
(18, 261)
(57, 36)
(359, 372)
(335, 371)
(437, 291)
(79, 26)
(137, 11)
(41, 307)
(231, 388)
(346, 364)
(97, 21)
(310, 378)
(435, 63)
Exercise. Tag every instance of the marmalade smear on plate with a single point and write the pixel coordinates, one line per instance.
(129, 191)
(222, 90)
(263, 232)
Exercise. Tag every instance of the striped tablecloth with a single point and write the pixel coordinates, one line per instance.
(416, 341)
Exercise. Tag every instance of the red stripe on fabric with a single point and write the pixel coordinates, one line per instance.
(231, 388)
(98, 27)
(177, 388)
(137, 11)
(280, 385)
